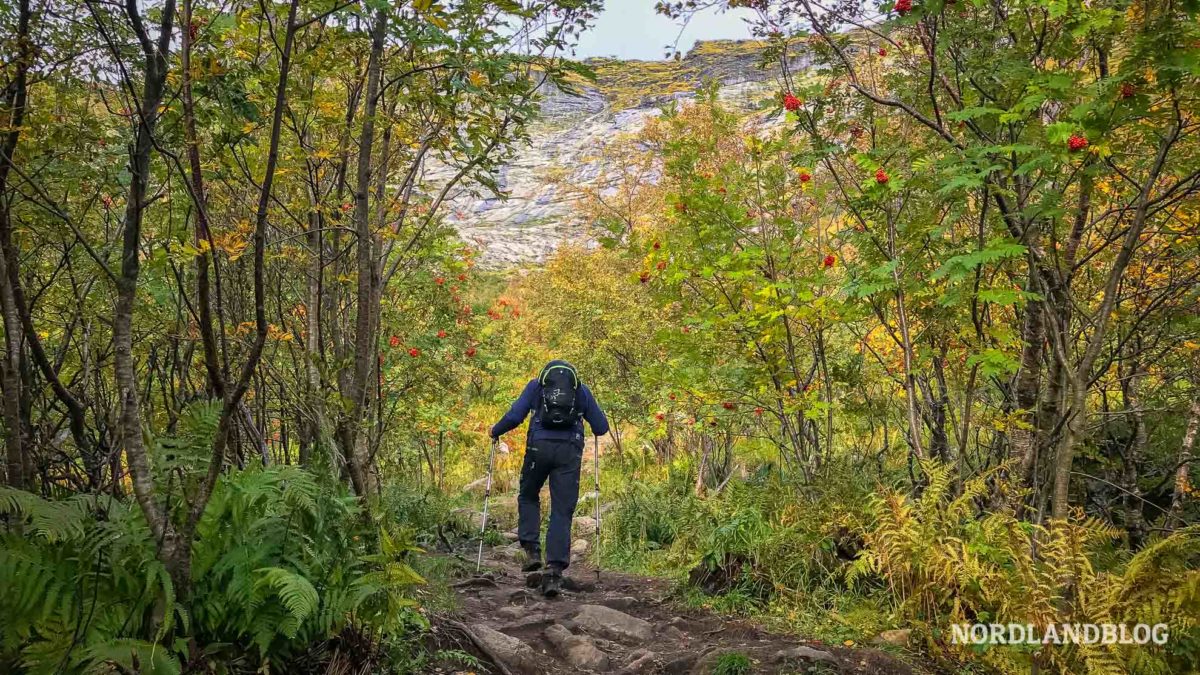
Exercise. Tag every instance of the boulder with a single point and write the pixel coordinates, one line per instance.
(577, 585)
(899, 637)
(521, 595)
(473, 518)
(579, 547)
(613, 624)
(622, 603)
(672, 633)
(681, 664)
(478, 484)
(531, 620)
(511, 612)
(707, 661)
(507, 649)
(583, 525)
(577, 650)
(637, 654)
(512, 553)
(643, 661)
(802, 653)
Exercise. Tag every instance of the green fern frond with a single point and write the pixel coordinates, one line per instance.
(295, 592)
(137, 656)
(52, 521)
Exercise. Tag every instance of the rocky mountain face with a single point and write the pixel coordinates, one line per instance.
(567, 144)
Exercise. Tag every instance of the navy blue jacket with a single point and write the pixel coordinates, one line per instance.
(530, 400)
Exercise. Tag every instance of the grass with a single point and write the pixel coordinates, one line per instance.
(791, 581)
(733, 663)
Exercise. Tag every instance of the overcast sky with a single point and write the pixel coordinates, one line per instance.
(630, 29)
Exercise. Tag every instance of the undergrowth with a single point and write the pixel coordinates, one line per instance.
(289, 573)
(841, 563)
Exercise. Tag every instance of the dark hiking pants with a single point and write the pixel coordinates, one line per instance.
(558, 461)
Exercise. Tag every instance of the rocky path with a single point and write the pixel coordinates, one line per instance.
(626, 625)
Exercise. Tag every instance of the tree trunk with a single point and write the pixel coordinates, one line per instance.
(1081, 376)
(365, 319)
(10, 377)
(125, 373)
(15, 100)
(1135, 523)
(1022, 446)
(201, 237)
(1183, 486)
(910, 381)
(707, 446)
(235, 391)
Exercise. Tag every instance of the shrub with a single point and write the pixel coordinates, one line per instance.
(943, 563)
(280, 562)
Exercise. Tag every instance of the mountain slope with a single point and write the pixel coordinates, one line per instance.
(568, 141)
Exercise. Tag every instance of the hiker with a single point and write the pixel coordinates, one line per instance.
(553, 450)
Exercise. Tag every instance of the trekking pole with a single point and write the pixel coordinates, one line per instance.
(596, 470)
(487, 492)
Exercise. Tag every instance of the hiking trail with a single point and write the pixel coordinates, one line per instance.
(621, 624)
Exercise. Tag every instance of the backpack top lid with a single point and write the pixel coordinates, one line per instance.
(560, 389)
(559, 367)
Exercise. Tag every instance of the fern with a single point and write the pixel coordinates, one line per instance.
(134, 656)
(280, 561)
(943, 564)
(295, 592)
(52, 521)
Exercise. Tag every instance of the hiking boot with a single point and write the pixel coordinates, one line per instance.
(535, 560)
(552, 582)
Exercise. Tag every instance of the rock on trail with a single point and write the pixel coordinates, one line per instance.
(625, 625)
(577, 650)
(508, 650)
(613, 624)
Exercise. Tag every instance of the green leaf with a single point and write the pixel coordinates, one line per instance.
(975, 112)
(135, 656)
(960, 266)
(295, 592)
(1001, 296)
(993, 363)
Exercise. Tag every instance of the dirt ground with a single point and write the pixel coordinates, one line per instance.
(623, 624)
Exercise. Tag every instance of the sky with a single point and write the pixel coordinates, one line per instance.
(630, 29)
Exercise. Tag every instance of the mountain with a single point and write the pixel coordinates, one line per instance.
(537, 214)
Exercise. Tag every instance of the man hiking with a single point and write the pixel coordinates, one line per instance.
(554, 444)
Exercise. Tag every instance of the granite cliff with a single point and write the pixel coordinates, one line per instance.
(567, 142)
